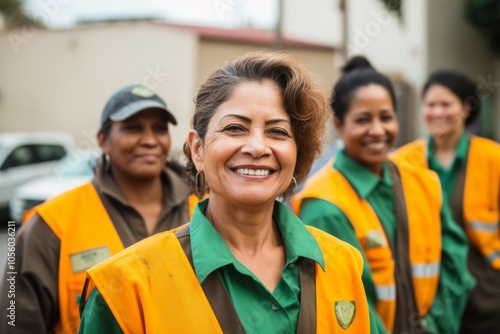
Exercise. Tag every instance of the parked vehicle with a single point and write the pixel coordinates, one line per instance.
(28, 155)
(74, 170)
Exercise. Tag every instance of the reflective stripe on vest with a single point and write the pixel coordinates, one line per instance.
(483, 226)
(493, 257)
(425, 270)
(386, 293)
(424, 230)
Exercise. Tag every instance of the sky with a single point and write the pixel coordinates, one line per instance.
(219, 13)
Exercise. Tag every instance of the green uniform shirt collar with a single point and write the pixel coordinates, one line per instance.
(210, 251)
(460, 153)
(362, 179)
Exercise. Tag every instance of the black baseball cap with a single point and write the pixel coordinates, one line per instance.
(130, 100)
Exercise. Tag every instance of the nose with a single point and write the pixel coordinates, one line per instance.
(148, 138)
(377, 128)
(256, 145)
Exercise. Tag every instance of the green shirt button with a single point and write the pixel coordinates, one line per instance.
(275, 307)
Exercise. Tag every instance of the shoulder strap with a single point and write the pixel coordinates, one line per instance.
(215, 291)
(406, 305)
(456, 200)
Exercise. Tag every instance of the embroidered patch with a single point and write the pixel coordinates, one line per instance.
(84, 260)
(142, 91)
(374, 239)
(345, 312)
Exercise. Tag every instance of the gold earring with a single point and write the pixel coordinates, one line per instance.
(199, 184)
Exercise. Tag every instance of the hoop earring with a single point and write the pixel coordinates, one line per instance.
(199, 184)
(106, 161)
(288, 195)
(294, 187)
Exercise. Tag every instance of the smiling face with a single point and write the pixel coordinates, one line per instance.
(138, 146)
(444, 113)
(249, 152)
(370, 127)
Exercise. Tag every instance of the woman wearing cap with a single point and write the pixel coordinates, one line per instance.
(469, 170)
(415, 278)
(135, 193)
(245, 263)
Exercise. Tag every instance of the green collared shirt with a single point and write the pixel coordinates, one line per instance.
(260, 310)
(455, 280)
(448, 175)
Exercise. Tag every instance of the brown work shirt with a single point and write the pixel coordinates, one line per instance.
(37, 251)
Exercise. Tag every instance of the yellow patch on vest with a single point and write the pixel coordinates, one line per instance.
(345, 312)
(84, 260)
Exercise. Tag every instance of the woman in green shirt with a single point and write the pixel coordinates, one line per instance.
(247, 264)
(468, 167)
(391, 217)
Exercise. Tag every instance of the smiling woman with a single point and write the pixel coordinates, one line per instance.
(413, 255)
(245, 263)
(469, 170)
(135, 193)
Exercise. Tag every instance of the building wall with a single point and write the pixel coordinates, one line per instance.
(313, 20)
(60, 80)
(397, 48)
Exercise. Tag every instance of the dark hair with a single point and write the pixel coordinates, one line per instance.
(463, 87)
(358, 72)
(305, 104)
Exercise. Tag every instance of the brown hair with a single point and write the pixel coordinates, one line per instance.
(306, 105)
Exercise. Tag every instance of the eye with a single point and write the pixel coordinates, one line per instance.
(387, 118)
(131, 127)
(279, 132)
(161, 128)
(362, 120)
(234, 128)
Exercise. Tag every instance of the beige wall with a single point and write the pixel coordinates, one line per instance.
(60, 80)
(319, 61)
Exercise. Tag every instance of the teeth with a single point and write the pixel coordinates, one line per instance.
(257, 172)
(379, 145)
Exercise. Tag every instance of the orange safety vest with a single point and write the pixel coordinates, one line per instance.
(481, 203)
(87, 235)
(151, 287)
(423, 204)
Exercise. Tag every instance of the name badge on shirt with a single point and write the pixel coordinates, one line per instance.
(84, 260)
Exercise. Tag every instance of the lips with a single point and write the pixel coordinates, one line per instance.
(148, 157)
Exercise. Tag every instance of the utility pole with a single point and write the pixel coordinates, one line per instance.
(278, 32)
(345, 27)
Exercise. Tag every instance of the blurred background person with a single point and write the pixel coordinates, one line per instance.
(468, 167)
(135, 193)
(256, 129)
(414, 256)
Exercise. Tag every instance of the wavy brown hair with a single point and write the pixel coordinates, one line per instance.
(306, 104)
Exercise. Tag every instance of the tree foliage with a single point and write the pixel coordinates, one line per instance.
(394, 6)
(14, 15)
(485, 16)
